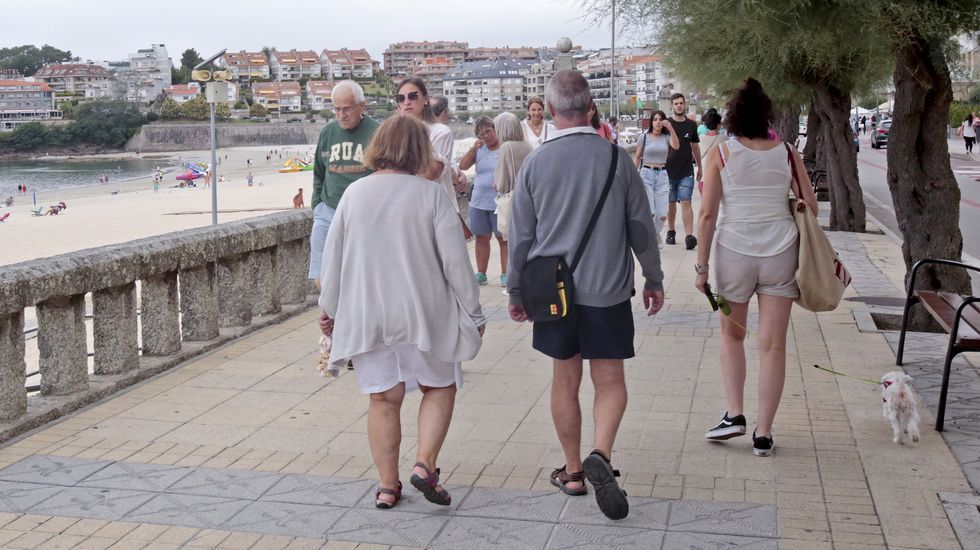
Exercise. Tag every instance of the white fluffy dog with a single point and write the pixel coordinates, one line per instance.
(900, 406)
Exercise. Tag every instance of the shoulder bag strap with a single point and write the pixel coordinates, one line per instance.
(796, 177)
(598, 208)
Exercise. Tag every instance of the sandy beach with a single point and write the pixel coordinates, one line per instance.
(118, 212)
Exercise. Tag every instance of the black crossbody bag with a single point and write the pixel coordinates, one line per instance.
(547, 285)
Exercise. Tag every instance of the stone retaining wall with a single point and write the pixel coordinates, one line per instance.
(169, 137)
(197, 289)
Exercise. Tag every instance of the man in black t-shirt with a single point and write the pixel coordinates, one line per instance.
(680, 171)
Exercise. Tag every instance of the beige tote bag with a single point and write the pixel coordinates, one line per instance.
(820, 274)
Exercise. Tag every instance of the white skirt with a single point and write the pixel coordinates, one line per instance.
(388, 365)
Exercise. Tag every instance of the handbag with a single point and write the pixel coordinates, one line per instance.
(820, 274)
(503, 205)
(547, 286)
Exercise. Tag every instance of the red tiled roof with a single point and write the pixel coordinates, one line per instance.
(305, 57)
(73, 69)
(42, 86)
(246, 59)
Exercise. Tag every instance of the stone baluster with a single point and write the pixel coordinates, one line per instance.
(199, 303)
(160, 315)
(13, 371)
(265, 286)
(114, 329)
(293, 259)
(62, 345)
(234, 291)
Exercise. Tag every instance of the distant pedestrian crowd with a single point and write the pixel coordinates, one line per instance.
(571, 214)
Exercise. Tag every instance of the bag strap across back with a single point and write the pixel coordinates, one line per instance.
(796, 177)
(598, 208)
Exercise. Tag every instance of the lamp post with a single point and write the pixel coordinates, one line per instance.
(613, 104)
(216, 91)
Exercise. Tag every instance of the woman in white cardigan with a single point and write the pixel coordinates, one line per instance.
(397, 279)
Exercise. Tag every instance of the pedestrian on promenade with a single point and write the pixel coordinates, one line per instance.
(536, 129)
(744, 205)
(614, 129)
(566, 177)
(483, 200)
(651, 160)
(713, 136)
(514, 148)
(599, 125)
(398, 281)
(249, 178)
(680, 171)
(338, 162)
(968, 132)
(440, 111)
(413, 99)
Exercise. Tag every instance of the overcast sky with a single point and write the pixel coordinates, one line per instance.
(110, 29)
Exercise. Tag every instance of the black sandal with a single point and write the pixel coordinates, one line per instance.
(561, 478)
(608, 495)
(429, 486)
(397, 493)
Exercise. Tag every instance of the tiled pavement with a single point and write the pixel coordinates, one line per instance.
(247, 447)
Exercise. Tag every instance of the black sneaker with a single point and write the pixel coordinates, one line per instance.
(608, 495)
(690, 242)
(727, 428)
(762, 446)
(671, 237)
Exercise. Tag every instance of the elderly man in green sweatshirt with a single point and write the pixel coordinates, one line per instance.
(339, 162)
(565, 177)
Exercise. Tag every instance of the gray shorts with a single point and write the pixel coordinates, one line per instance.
(738, 276)
(483, 222)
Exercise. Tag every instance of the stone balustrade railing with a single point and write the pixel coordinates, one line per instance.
(197, 289)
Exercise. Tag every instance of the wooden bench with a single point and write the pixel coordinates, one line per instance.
(958, 315)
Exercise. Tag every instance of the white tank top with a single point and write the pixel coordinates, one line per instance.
(754, 217)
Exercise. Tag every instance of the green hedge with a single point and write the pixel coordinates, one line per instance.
(958, 111)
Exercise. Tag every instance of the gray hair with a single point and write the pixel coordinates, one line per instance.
(350, 87)
(439, 105)
(568, 94)
(508, 127)
(482, 122)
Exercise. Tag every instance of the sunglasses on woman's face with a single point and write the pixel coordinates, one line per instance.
(400, 98)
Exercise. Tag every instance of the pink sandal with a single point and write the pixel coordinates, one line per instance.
(397, 493)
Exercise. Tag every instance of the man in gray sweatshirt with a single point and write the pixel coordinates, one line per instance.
(556, 191)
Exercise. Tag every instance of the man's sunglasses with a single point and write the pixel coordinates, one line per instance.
(400, 98)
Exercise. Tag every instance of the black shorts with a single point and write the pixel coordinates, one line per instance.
(595, 332)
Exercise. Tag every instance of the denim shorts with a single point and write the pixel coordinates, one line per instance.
(681, 189)
(483, 222)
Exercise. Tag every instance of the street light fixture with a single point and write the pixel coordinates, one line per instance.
(216, 91)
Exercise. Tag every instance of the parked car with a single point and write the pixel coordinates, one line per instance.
(880, 136)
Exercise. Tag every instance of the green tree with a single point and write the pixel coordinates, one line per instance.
(801, 50)
(923, 188)
(109, 123)
(223, 110)
(28, 136)
(170, 109)
(196, 109)
(29, 59)
(258, 110)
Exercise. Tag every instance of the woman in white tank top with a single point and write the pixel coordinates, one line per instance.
(744, 207)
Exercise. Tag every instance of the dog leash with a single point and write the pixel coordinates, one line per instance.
(870, 381)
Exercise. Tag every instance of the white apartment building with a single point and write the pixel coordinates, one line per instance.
(247, 66)
(278, 97)
(346, 64)
(22, 102)
(182, 93)
(294, 65)
(318, 94)
(492, 85)
(80, 80)
(146, 73)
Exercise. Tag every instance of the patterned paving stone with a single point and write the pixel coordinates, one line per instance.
(279, 518)
(187, 510)
(388, 527)
(595, 537)
(51, 470)
(84, 502)
(18, 498)
(644, 513)
(477, 533)
(145, 477)
(722, 517)
(703, 541)
(301, 489)
(242, 484)
(510, 504)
